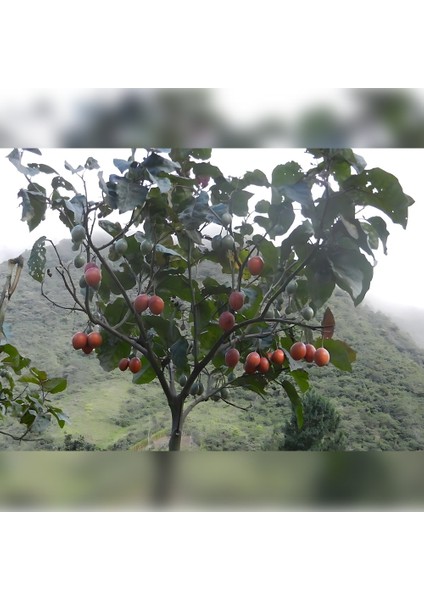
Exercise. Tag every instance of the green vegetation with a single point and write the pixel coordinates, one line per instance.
(147, 304)
(380, 403)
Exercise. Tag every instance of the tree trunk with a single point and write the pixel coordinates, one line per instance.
(176, 431)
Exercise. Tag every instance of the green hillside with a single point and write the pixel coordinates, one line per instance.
(381, 402)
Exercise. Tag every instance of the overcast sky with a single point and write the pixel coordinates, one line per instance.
(397, 277)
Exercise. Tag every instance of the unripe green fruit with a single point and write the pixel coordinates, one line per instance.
(194, 390)
(227, 242)
(226, 219)
(121, 246)
(224, 393)
(146, 247)
(82, 282)
(79, 261)
(78, 233)
(307, 313)
(113, 255)
(76, 246)
(291, 287)
(216, 242)
(182, 380)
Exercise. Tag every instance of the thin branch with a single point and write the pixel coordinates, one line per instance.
(20, 438)
(246, 408)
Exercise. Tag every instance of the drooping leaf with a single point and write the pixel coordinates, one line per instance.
(196, 213)
(380, 227)
(287, 174)
(15, 159)
(112, 229)
(328, 324)
(376, 187)
(121, 165)
(34, 205)
(42, 168)
(164, 184)
(158, 164)
(179, 351)
(91, 164)
(295, 400)
(73, 170)
(125, 194)
(77, 205)
(255, 383)
(58, 182)
(255, 177)
(352, 271)
(37, 260)
(239, 202)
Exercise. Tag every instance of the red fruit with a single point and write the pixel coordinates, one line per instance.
(232, 356)
(141, 303)
(322, 357)
(226, 320)
(90, 265)
(252, 362)
(94, 339)
(79, 340)
(135, 364)
(236, 300)
(255, 265)
(298, 350)
(124, 364)
(310, 353)
(156, 305)
(93, 276)
(263, 366)
(278, 357)
(87, 349)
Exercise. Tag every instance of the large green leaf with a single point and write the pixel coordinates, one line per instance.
(125, 194)
(255, 383)
(287, 174)
(34, 205)
(37, 260)
(352, 271)
(77, 205)
(239, 202)
(54, 385)
(376, 187)
(197, 212)
(112, 229)
(321, 279)
(158, 164)
(255, 177)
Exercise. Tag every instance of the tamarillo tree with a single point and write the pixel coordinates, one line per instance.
(149, 289)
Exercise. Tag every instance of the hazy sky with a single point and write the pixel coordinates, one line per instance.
(397, 277)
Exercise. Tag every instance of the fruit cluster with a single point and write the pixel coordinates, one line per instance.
(145, 301)
(308, 352)
(87, 342)
(134, 364)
